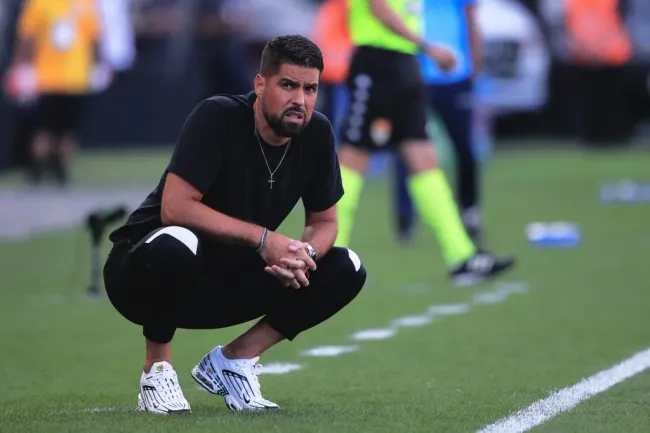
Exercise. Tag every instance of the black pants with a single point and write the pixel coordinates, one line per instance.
(453, 103)
(162, 284)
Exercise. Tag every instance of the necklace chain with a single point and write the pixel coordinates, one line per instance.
(271, 173)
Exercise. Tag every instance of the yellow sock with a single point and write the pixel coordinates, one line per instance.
(347, 206)
(436, 206)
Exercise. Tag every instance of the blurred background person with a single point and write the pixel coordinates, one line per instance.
(599, 73)
(331, 33)
(117, 43)
(451, 23)
(388, 113)
(18, 114)
(226, 58)
(53, 62)
(599, 45)
(207, 33)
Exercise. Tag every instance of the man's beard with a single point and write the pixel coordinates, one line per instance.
(282, 127)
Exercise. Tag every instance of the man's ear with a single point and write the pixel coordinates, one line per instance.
(260, 83)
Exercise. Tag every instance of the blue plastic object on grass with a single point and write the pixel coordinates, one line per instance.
(625, 191)
(553, 235)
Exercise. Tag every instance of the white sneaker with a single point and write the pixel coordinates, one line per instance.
(160, 392)
(234, 379)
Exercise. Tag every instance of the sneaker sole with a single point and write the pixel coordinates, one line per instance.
(200, 378)
(141, 408)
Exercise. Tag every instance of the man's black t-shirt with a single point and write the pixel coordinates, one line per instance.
(219, 154)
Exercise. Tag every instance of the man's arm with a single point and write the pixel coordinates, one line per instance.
(392, 20)
(181, 205)
(320, 231)
(324, 191)
(384, 13)
(475, 37)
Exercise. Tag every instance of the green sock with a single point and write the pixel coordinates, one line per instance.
(347, 206)
(436, 206)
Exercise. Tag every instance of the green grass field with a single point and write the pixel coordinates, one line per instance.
(584, 310)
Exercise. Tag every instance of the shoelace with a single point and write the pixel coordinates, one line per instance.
(255, 369)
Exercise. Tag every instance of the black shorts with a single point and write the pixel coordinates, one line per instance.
(387, 105)
(59, 113)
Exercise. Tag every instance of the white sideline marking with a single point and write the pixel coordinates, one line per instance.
(329, 350)
(280, 368)
(412, 321)
(502, 292)
(567, 398)
(490, 298)
(448, 310)
(373, 334)
(499, 293)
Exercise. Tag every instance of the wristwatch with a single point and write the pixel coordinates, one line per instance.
(311, 251)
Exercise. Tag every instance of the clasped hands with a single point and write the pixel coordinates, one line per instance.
(287, 260)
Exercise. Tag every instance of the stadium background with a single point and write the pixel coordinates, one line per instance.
(173, 65)
(477, 354)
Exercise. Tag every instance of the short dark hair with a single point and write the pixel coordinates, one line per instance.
(292, 49)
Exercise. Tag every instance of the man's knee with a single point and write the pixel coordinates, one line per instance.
(348, 269)
(173, 249)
